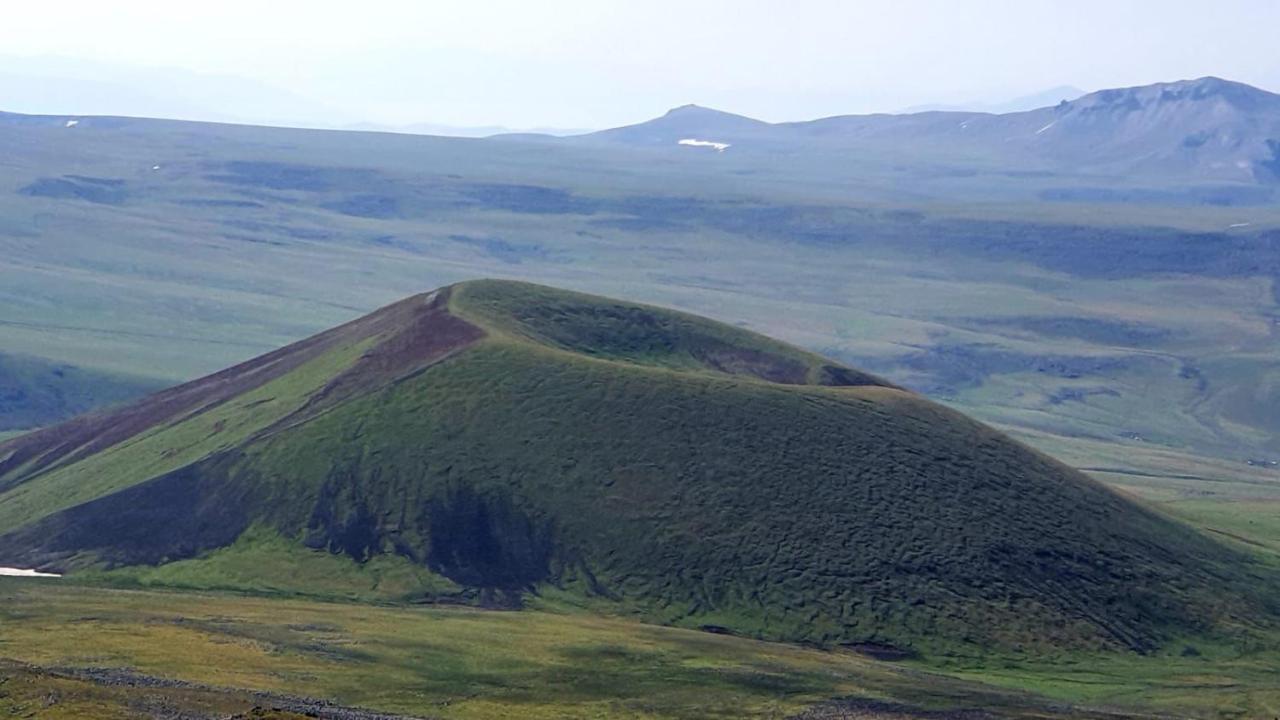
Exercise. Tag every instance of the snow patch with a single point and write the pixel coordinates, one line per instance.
(72, 123)
(1046, 127)
(155, 167)
(19, 572)
(693, 142)
(1238, 225)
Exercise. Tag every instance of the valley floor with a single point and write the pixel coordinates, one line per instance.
(70, 651)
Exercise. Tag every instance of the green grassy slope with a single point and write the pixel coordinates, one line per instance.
(165, 445)
(598, 327)
(73, 652)
(652, 462)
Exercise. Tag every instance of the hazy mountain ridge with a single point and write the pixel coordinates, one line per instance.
(1200, 134)
(1200, 130)
(1033, 101)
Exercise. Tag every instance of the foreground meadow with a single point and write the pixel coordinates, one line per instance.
(75, 652)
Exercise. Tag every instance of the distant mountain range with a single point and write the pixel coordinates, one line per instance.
(1201, 134)
(1033, 101)
(470, 131)
(1205, 130)
(53, 85)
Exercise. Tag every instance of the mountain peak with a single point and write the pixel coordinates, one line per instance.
(692, 112)
(686, 109)
(1199, 90)
(1211, 87)
(694, 109)
(686, 122)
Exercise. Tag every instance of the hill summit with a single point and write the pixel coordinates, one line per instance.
(512, 441)
(1201, 90)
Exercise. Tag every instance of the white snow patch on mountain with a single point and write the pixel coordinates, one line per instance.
(693, 142)
(19, 572)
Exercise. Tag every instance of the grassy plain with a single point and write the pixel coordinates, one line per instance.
(71, 648)
(437, 662)
(1188, 681)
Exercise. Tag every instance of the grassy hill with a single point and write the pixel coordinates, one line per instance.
(494, 442)
(1136, 326)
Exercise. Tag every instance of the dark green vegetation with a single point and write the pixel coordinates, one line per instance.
(496, 441)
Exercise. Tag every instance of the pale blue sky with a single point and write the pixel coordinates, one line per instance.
(597, 63)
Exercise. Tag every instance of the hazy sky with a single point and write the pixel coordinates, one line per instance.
(597, 63)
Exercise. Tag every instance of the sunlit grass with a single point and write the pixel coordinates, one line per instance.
(454, 663)
(473, 664)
